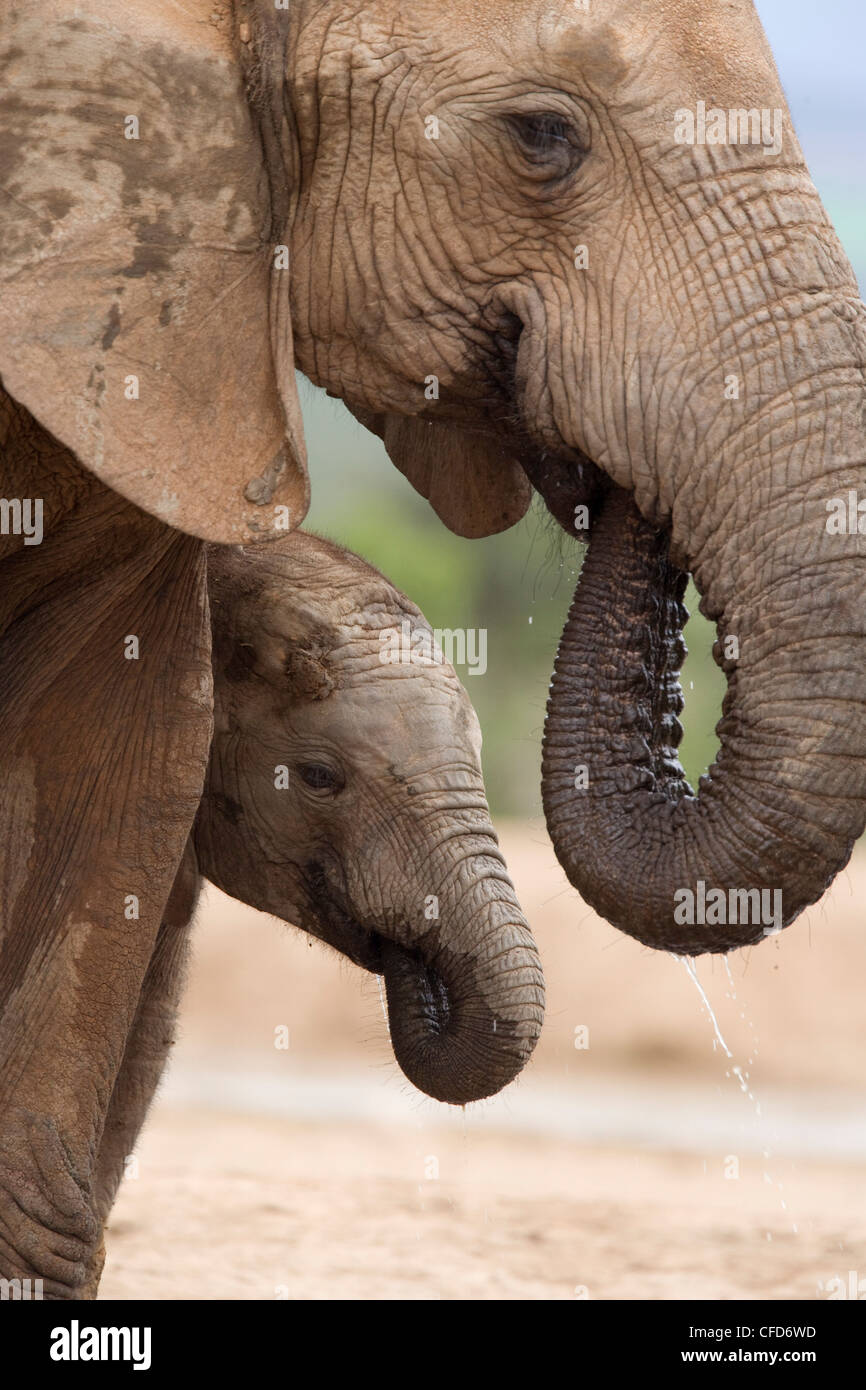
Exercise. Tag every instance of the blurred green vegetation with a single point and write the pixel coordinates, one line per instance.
(517, 585)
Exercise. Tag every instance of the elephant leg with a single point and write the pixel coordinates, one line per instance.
(106, 716)
(151, 1037)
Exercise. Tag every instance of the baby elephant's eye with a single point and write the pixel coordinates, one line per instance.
(320, 777)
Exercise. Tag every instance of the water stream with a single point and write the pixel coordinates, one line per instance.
(736, 1071)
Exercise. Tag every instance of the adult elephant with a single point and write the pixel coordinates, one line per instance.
(493, 233)
(147, 404)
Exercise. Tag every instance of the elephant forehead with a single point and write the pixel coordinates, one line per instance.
(680, 48)
(395, 646)
(407, 716)
(721, 49)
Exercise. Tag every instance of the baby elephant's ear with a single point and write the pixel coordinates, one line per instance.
(470, 480)
(136, 263)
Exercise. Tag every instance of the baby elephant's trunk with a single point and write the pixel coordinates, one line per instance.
(465, 1004)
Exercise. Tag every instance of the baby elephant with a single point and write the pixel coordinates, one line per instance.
(344, 794)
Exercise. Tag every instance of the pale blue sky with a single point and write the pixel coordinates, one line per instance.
(820, 48)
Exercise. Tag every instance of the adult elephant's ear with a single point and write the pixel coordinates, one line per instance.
(137, 268)
(470, 480)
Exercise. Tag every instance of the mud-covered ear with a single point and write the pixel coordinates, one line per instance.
(469, 479)
(265, 625)
(137, 266)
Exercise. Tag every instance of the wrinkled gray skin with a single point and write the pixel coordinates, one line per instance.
(382, 843)
(696, 381)
(378, 839)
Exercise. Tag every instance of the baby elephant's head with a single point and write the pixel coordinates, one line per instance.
(345, 795)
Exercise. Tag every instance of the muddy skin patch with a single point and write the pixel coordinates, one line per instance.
(112, 328)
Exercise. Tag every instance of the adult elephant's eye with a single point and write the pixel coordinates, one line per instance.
(549, 142)
(320, 777)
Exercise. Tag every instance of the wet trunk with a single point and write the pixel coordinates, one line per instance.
(465, 1005)
(776, 816)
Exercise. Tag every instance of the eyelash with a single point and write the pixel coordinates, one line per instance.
(548, 139)
(319, 778)
(537, 131)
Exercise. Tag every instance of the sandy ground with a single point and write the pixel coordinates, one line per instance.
(263, 1208)
(648, 1164)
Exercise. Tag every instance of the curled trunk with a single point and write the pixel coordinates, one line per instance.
(465, 991)
(777, 815)
(466, 1002)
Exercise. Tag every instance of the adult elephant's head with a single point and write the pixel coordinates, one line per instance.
(592, 228)
(566, 244)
